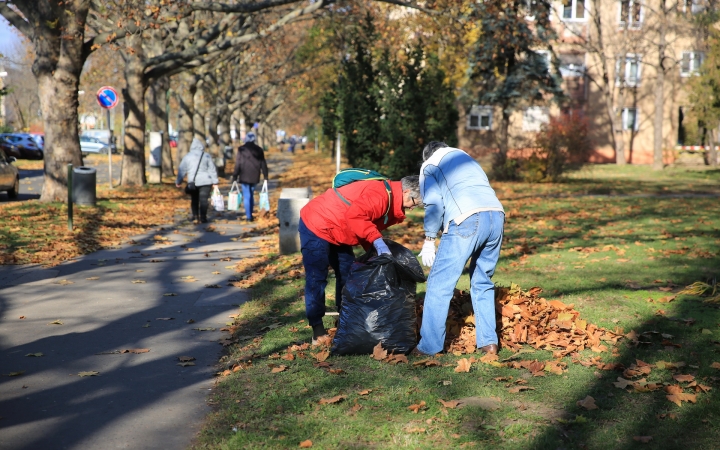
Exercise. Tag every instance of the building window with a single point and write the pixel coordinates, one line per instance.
(572, 65)
(690, 63)
(630, 119)
(480, 118)
(628, 70)
(631, 14)
(574, 10)
(534, 118)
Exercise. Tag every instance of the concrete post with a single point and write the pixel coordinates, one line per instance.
(155, 166)
(289, 205)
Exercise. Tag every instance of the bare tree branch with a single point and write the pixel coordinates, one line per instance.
(16, 20)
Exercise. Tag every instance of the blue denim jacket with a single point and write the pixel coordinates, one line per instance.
(452, 183)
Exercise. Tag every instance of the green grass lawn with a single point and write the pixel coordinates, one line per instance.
(619, 258)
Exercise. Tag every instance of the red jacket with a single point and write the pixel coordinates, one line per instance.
(360, 223)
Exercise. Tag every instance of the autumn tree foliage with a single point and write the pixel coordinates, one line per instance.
(507, 69)
(388, 106)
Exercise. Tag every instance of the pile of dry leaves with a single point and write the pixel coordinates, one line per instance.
(523, 317)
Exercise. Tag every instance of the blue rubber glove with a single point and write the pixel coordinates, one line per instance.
(381, 247)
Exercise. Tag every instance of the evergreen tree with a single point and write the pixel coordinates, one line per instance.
(388, 109)
(506, 68)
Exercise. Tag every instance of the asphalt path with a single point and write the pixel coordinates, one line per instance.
(65, 381)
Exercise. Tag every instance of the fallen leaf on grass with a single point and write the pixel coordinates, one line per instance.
(35, 354)
(715, 365)
(622, 383)
(679, 398)
(378, 353)
(395, 359)
(683, 378)
(517, 389)
(332, 400)
(336, 371)
(88, 374)
(416, 430)
(427, 363)
(365, 392)
(452, 404)
(587, 403)
(278, 369)
(135, 350)
(306, 444)
(288, 357)
(56, 322)
(186, 358)
(463, 365)
(489, 358)
(643, 439)
(322, 356)
(416, 407)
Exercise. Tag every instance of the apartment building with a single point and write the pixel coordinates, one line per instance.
(608, 53)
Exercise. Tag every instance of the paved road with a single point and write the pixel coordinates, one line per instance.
(111, 301)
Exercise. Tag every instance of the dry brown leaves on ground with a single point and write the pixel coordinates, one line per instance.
(41, 234)
(526, 318)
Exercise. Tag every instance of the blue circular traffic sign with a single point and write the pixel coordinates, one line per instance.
(107, 97)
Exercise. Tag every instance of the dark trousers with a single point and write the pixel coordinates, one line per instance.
(199, 201)
(318, 254)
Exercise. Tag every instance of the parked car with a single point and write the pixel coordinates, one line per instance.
(26, 146)
(39, 140)
(93, 145)
(9, 176)
(8, 147)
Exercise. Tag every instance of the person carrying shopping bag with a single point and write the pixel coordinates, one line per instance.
(201, 178)
(249, 162)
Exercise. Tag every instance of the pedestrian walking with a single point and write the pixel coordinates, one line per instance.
(291, 144)
(330, 225)
(460, 203)
(249, 163)
(201, 174)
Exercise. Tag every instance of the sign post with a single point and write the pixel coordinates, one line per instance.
(108, 98)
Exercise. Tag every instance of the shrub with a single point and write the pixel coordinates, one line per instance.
(563, 142)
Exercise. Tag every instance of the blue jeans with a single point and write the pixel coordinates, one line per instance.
(248, 192)
(477, 238)
(318, 254)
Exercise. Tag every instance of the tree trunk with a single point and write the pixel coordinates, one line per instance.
(133, 167)
(224, 119)
(620, 140)
(157, 115)
(57, 67)
(659, 95)
(187, 110)
(504, 137)
(712, 153)
(199, 117)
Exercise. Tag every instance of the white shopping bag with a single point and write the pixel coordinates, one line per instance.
(217, 200)
(264, 205)
(234, 197)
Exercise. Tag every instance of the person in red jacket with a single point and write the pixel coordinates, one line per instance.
(329, 228)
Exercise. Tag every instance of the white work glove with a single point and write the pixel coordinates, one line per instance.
(427, 254)
(381, 247)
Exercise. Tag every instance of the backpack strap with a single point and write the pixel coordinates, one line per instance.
(387, 189)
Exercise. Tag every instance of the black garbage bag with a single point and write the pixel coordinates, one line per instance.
(378, 303)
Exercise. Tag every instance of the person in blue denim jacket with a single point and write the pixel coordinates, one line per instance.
(460, 203)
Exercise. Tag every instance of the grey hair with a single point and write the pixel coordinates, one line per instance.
(431, 148)
(412, 183)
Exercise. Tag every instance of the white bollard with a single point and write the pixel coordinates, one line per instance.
(290, 203)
